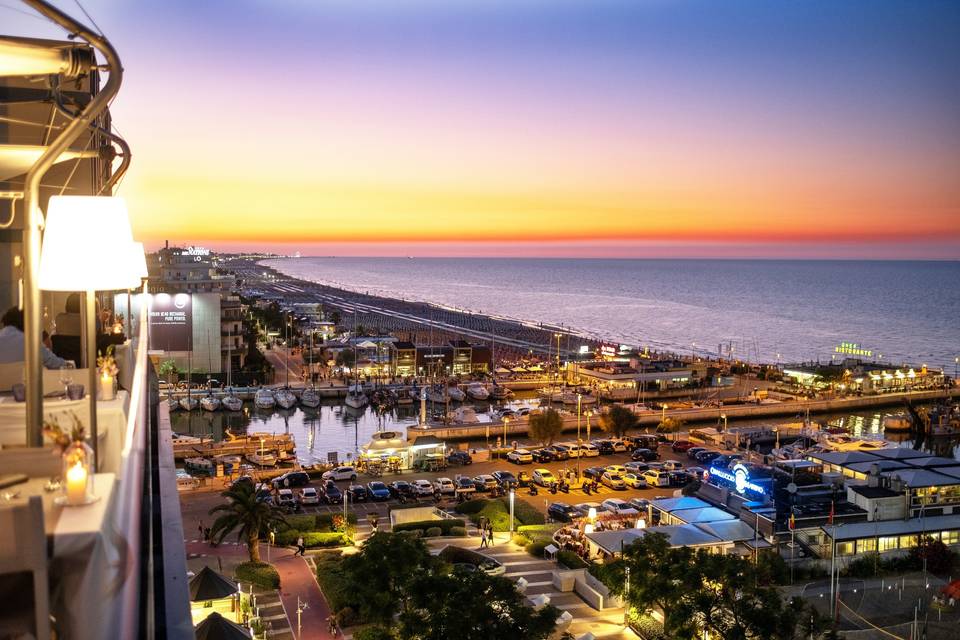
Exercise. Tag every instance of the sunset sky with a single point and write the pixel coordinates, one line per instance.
(593, 127)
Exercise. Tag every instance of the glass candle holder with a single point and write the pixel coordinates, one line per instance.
(77, 475)
(107, 387)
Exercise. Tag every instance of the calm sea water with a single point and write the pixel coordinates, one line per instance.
(906, 311)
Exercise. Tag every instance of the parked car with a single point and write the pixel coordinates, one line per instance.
(656, 478)
(696, 472)
(465, 485)
(672, 465)
(616, 468)
(522, 411)
(445, 486)
(562, 512)
(505, 479)
(286, 499)
(680, 446)
(693, 451)
(402, 488)
(543, 455)
(332, 493)
(459, 457)
(593, 473)
(605, 447)
(640, 504)
(358, 493)
(378, 491)
(646, 441)
(634, 480)
(589, 450)
(560, 452)
(340, 473)
(619, 507)
(572, 449)
(309, 495)
(520, 456)
(423, 487)
(636, 466)
(292, 479)
(706, 457)
(485, 482)
(619, 446)
(644, 454)
(584, 508)
(543, 477)
(613, 480)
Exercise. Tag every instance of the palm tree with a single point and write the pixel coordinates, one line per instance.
(247, 515)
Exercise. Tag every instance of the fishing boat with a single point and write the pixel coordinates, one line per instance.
(456, 393)
(228, 459)
(285, 457)
(231, 402)
(285, 398)
(209, 403)
(264, 399)
(310, 398)
(263, 459)
(478, 391)
(897, 423)
(189, 403)
(202, 465)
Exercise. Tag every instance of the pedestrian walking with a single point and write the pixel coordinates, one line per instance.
(206, 534)
(489, 533)
(200, 527)
(300, 547)
(483, 538)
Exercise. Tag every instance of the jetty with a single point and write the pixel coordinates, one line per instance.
(249, 444)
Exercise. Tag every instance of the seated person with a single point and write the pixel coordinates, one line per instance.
(11, 342)
(69, 323)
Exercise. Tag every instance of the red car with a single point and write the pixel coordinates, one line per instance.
(681, 445)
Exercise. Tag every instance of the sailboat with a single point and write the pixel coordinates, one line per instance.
(478, 391)
(356, 398)
(188, 402)
(209, 402)
(230, 402)
(456, 393)
(264, 399)
(309, 397)
(285, 398)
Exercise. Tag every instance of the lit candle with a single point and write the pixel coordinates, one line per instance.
(106, 387)
(77, 483)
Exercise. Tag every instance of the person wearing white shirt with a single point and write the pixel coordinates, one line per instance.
(11, 342)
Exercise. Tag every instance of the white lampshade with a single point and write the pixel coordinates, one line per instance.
(138, 264)
(86, 245)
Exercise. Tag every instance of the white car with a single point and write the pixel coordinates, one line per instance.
(634, 481)
(445, 485)
(573, 449)
(422, 487)
(543, 477)
(618, 469)
(520, 456)
(340, 473)
(285, 498)
(618, 445)
(672, 465)
(588, 450)
(656, 478)
(636, 467)
(612, 480)
(618, 507)
(309, 495)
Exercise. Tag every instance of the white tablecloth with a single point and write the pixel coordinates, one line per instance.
(111, 423)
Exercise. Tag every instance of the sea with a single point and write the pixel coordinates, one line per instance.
(782, 311)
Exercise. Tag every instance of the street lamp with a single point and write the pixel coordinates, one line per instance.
(579, 440)
(511, 510)
(723, 417)
(506, 421)
(589, 413)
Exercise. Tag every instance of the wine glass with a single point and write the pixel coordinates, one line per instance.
(66, 375)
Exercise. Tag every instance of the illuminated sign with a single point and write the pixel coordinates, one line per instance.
(608, 351)
(171, 322)
(196, 251)
(853, 349)
(740, 478)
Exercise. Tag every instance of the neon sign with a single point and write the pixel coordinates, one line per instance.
(853, 349)
(740, 479)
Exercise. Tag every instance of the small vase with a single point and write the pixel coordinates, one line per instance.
(107, 387)
(77, 475)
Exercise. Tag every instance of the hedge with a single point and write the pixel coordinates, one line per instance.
(444, 525)
(472, 506)
(536, 547)
(259, 573)
(432, 532)
(459, 532)
(570, 560)
(312, 539)
(538, 530)
(302, 523)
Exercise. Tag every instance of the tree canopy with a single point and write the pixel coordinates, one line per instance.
(545, 427)
(249, 517)
(619, 420)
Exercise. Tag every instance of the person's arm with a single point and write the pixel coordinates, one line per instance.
(50, 359)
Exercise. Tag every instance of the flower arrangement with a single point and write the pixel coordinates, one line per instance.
(61, 437)
(107, 364)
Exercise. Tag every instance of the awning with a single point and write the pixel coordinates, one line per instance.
(216, 627)
(210, 585)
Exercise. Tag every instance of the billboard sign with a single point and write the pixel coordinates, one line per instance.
(171, 322)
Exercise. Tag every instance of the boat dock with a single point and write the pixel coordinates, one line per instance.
(240, 446)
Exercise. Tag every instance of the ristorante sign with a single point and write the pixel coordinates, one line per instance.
(171, 322)
(739, 477)
(852, 349)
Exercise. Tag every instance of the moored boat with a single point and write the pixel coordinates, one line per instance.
(310, 398)
(209, 403)
(231, 402)
(285, 398)
(189, 403)
(265, 459)
(478, 391)
(264, 399)
(456, 393)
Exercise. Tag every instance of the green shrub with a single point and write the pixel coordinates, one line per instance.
(287, 537)
(521, 540)
(472, 506)
(525, 512)
(347, 617)
(444, 525)
(324, 521)
(432, 532)
(570, 560)
(321, 539)
(495, 511)
(539, 530)
(536, 547)
(374, 632)
(260, 574)
(459, 532)
(647, 627)
(302, 523)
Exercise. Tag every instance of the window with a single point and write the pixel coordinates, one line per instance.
(950, 537)
(888, 543)
(907, 542)
(845, 548)
(866, 545)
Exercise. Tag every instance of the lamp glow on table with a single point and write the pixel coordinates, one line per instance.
(87, 246)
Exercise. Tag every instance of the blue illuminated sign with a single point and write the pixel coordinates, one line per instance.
(740, 478)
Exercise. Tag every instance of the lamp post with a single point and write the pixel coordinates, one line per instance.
(579, 441)
(511, 510)
(589, 413)
(626, 597)
(723, 417)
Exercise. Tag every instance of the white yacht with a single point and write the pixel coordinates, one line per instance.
(264, 399)
(478, 391)
(231, 402)
(356, 398)
(310, 398)
(842, 442)
(456, 393)
(189, 403)
(180, 438)
(209, 403)
(285, 398)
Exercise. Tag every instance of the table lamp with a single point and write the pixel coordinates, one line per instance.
(87, 247)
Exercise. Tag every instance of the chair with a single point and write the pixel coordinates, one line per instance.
(10, 374)
(23, 550)
(67, 347)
